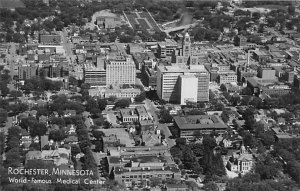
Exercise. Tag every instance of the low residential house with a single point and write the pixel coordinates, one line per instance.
(265, 123)
(71, 129)
(69, 113)
(43, 119)
(219, 139)
(26, 139)
(241, 162)
(58, 156)
(281, 121)
(231, 142)
(53, 127)
(36, 139)
(55, 114)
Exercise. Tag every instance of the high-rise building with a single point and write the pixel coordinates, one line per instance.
(120, 70)
(188, 89)
(169, 86)
(203, 85)
(94, 75)
(27, 71)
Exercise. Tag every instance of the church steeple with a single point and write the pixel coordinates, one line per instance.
(243, 149)
(186, 45)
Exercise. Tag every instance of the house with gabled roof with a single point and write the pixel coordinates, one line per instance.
(241, 161)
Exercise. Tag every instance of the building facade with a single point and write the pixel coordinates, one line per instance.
(168, 82)
(26, 72)
(95, 76)
(190, 124)
(120, 70)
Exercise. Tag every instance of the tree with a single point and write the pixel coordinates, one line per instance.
(256, 16)
(57, 135)
(13, 142)
(155, 181)
(223, 87)
(224, 116)
(2, 142)
(38, 129)
(210, 186)
(268, 168)
(102, 104)
(267, 138)
(165, 116)
(58, 121)
(18, 108)
(249, 140)
(91, 104)
(3, 115)
(35, 146)
(212, 163)
(13, 157)
(293, 168)
(98, 134)
(291, 10)
(122, 103)
(15, 94)
(14, 131)
(141, 97)
(75, 149)
(180, 141)
(197, 149)
(98, 146)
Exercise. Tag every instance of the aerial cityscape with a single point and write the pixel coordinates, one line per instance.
(150, 95)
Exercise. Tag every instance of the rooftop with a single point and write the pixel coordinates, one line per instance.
(199, 122)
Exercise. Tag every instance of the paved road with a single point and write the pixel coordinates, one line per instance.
(12, 58)
(164, 127)
(67, 47)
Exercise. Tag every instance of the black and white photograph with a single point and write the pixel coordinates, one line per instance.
(149, 95)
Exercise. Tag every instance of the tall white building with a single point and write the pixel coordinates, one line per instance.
(120, 70)
(188, 89)
(169, 84)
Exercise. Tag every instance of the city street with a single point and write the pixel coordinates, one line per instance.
(164, 127)
(12, 59)
(67, 46)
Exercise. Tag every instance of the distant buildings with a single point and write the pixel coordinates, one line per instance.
(205, 124)
(109, 22)
(104, 92)
(51, 39)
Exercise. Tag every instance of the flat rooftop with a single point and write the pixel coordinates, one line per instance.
(199, 122)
